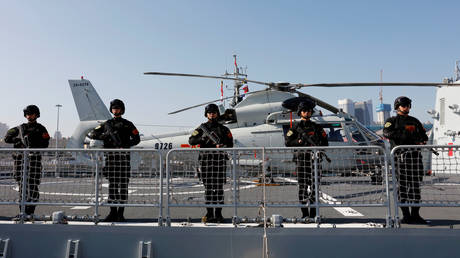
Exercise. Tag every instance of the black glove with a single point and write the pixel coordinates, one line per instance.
(205, 139)
(18, 143)
(104, 136)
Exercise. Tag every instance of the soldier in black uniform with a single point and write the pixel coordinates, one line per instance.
(212, 134)
(306, 134)
(407, 130)
(29, 135)
(117, 133)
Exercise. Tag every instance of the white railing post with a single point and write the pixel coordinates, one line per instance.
(96, 188)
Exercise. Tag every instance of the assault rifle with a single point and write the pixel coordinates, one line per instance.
(211, 135)
(114, 137)
(308, 139)
(24, 139)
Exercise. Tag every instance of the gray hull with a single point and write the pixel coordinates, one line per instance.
(123, 241)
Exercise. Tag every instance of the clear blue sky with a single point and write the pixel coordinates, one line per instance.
(111, 43)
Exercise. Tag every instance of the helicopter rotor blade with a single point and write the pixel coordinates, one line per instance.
(319, 102)
(209, 102)
(367, 84)
(209, 76)
(302, 85)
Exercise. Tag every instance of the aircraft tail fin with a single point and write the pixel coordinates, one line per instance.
(89, 104)
(90, 108)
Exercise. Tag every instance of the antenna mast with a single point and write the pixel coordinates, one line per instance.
(237, 84)
(381, 88)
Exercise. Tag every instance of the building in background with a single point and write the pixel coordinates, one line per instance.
(370, 111)
(362, 110)
(347, 106)
(3, 129)
(57, 135)
(383, 113)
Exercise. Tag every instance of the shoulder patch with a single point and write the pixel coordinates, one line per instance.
(99, 126)
(195, 133)
(410, 128)
(289, 133)
(387, 124)
(135, 132)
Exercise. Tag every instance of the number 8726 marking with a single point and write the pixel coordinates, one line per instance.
(163, 145)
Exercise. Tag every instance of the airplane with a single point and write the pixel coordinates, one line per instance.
(257, 119)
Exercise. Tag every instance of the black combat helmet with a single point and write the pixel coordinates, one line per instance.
(116, 103)
(307, 105)
(31, 109)
(211, 108)
(402, 101)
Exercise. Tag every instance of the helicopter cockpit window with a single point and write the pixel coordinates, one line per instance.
(229, 116)
(335, 132)
(356, 134)
(371, 137)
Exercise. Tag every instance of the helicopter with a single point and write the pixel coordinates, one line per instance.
(259, 118)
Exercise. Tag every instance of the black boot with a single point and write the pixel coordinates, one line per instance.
(416, 218)
(305, 213)
(312, 212)
(218, 216)
(29, 210)
(113, 215)
(406, 215)
(120, 217)
(209, 217)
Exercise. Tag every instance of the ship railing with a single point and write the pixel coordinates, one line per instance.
(257, 181)
(82, 178)
(253, 184)
(425, 176)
